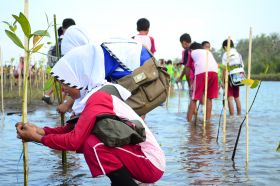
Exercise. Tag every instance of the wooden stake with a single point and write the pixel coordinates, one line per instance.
(247, 95)
(24, 97)
(59, 90)
(205, 89)
(179, 99)
(2, 76)
(169, 92)
(226, 91)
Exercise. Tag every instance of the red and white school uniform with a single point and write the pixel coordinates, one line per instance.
(144, 161)
(199, 57)
(147, 41)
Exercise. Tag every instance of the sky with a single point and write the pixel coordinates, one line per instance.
(211, 20)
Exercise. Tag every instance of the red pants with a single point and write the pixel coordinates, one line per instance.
(103, 160)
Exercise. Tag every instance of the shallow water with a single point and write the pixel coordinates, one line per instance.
(192, 153)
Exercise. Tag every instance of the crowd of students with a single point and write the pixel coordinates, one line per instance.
(85, 68)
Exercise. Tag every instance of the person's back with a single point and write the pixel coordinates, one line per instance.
(143, 26)
(52, 55)
(199, 57)
(132, 55)
(235, 59)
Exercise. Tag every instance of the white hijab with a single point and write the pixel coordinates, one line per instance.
(83, 68)
(73, 37)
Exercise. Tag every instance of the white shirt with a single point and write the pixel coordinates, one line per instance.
(199, 57)
(145, 40)
(234, 58)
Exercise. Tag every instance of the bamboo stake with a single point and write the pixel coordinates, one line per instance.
(59, 92)
(44, 77)
(226, 91)
(11, 78)
(19, 83)
(179, 99)
(24, 97)
(247, 96)
(168, 96)
(205, 90)
(2, 75)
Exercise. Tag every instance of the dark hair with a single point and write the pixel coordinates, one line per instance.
(143, 24)
(205, 42)
(225, 44)
(185, 37)
(195, 46)
(169, 62)
(59, 31)
(67, 23)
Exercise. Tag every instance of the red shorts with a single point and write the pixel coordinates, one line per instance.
(233, 91)
(199, 86)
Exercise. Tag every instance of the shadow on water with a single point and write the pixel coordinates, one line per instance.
(193, 157)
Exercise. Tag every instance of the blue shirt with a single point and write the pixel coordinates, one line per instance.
(111, 65)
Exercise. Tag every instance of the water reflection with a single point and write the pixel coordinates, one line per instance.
(198, 153)
(192, 154)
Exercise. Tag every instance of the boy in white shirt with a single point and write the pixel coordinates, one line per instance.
(235, 59)
(199, 56)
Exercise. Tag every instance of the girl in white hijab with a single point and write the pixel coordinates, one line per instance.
(73, 37)
(82, 80)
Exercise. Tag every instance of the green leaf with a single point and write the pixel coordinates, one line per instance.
(230, 68)
(11, 28)
(49, 43)
(7, 23)
(247, 82)
(15, 28)
(47, 19)
(42, 33)
(24, 23)
(266, 69)
(278, 148)
(49, 84)
(37, 48)
(48, 70)
(255, 84)
(222, 66)
(14, 38)
(251, 83)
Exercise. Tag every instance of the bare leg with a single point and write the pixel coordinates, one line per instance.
(191, 111)
(230, 106)
(238, 105)
(208, 109)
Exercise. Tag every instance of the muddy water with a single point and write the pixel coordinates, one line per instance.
(192, 153)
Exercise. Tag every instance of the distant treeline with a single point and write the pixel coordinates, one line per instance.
(265, 51)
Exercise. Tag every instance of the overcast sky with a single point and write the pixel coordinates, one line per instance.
(203, 19)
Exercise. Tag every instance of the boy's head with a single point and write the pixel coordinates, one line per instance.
(67, 23)
(143, 24)
(206, 45)
(195, 46)
(185, 40)
(225, 44)
(169, 62)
